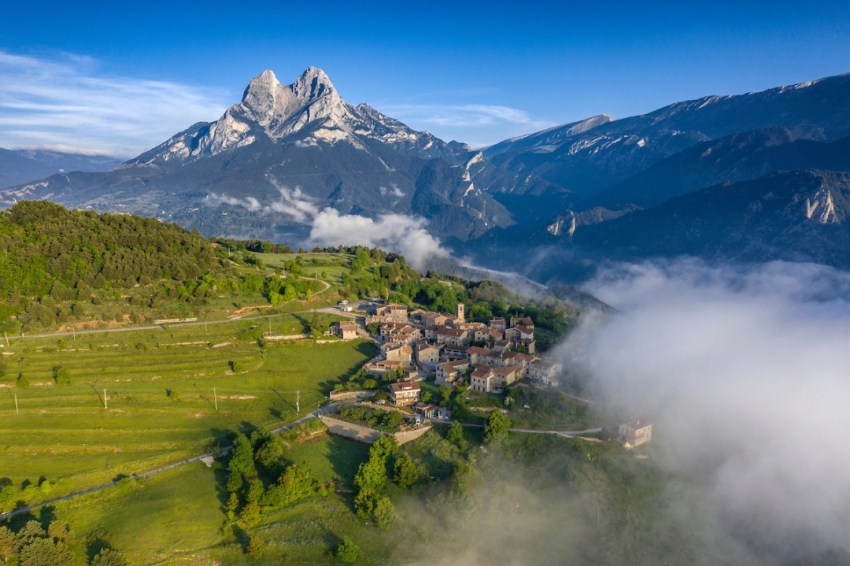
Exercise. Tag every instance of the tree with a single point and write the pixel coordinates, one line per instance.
(445, 395)
(347, 551)
(426, 397)
(7, 544)
(496, 427)
(255, 547)
(364, 502)
(250, 515)
(384, 447)
(384, 513)
(271, 451)
(232, 506)
(405, 472)
(455, 435)
(109, 557)
(316, 327)
(44, 552)
(241, 463)
(58, 530)
(255, 490)
(393, 419)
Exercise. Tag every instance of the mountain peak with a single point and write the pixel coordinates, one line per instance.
(312, 84)
(264, 97)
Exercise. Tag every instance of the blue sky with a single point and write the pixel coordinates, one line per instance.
(123, 76)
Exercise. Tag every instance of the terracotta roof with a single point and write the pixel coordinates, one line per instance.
(456, 332)
(404, 386)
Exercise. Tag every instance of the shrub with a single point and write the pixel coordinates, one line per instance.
(255, 547)
(235, 366)
(109, 557)
(61, 375)
(347, 551)
(22, 381)
(384, 513)
(496, 427)
(172, 394)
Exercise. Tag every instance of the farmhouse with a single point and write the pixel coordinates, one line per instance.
(346, 329)
(635, 432)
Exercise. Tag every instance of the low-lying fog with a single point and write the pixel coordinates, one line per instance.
(746, 373)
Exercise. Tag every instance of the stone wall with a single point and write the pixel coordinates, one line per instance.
(408, 435)
(350, 430)
(346, 395)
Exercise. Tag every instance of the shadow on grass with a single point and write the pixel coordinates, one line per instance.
(95, 545)
(96, 392)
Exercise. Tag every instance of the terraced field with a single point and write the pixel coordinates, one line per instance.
(169, 394)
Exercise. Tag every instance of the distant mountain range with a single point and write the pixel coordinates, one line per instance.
(748, 177)
(19, 166)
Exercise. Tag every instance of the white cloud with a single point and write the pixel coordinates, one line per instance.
(395, 232)
(406, 235)
(455, 115)
(65, 101)
(745, 372)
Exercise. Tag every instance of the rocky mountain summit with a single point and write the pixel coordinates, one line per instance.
(239, 174)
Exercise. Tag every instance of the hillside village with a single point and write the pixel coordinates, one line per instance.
(417, 344)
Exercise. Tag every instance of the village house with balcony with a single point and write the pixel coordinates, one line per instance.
(404, 393)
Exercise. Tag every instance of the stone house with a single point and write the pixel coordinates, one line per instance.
(498, 323)
(427, 354)
(635, 432)
(453, 336)
(398, 352)
(346, 329)
(431, 331)
(452, 353)
(396, 313)
(545, 372)
(519, 333)
(403, 393)
(482, 356)
(449, 372)
(487, 379)
(522, 321)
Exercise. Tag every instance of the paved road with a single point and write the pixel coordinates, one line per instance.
(3, 516)
(564, 433)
